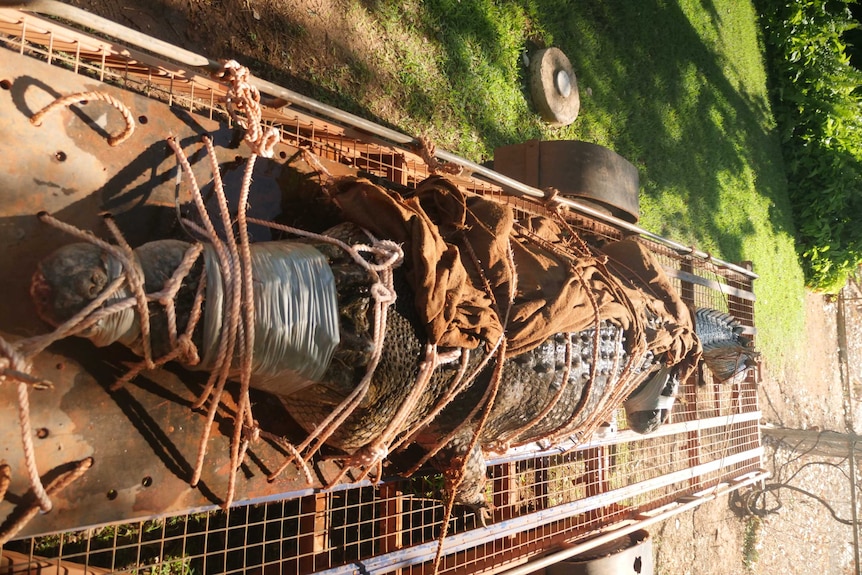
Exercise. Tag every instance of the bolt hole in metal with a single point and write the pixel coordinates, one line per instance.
(563, 83)
(143, 120)
(111, 494)
(60, 156)
(42, 433)
(6, 84)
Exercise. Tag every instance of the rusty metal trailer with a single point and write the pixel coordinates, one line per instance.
(133, 511)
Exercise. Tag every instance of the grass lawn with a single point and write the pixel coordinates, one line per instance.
(676, 87)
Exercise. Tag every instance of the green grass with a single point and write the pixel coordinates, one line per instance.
(678, 88)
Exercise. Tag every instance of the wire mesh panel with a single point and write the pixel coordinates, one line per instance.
(543, 496)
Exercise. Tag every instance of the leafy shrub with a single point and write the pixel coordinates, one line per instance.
(819, 116)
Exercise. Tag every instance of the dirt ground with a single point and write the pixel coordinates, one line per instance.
(295, 42)
(802, 537)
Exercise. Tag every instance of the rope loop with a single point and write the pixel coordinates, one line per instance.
(251, 433)
(83, 97)
(12, 362)
(383, 294)
(551, 199)
(369, 455)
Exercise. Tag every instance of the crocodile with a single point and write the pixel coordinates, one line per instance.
(552, 389)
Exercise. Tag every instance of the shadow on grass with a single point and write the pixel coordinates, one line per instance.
(658, 93)
(676, 114)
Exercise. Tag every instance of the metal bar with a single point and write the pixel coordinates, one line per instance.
(849, 426)
(626, 436)
(505, 491)
(463, 541)
(314, 530)
(643, 523)
(391, 518)
(686, 276)
(109, 28)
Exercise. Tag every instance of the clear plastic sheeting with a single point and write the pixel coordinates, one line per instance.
(296, 311)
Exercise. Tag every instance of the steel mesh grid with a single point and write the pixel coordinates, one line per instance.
(325, 530)
(176, 86)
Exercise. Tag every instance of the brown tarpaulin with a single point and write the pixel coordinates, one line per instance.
(463, 252)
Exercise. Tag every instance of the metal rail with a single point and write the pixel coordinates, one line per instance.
(164, 49)
(462, 541)
(674, 510)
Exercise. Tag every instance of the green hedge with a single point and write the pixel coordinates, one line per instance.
(818, 112)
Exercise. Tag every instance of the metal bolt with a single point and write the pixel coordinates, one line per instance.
(563, 83)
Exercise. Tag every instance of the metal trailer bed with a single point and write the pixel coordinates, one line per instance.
(133, 511)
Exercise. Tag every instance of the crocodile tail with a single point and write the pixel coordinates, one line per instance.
(726, 351)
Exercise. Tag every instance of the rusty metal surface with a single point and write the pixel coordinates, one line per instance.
(143, 438)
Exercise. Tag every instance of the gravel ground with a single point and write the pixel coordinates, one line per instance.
(802, 537)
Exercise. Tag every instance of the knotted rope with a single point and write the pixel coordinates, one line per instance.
(243, 104)
(16, 363)
(427, 150)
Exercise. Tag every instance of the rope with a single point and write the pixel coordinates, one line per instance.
(231, 267)
(512, 435)
(15, 367)
(20, 363)
(428, 150)
(135, 280)
(374, 454)
(458, 385)
(5, 479)
(387, 255)
(83, 97)
(238, 444)
(56, 486)
(498, 351)
(243, 98)
(182, 347)
(454, 476)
